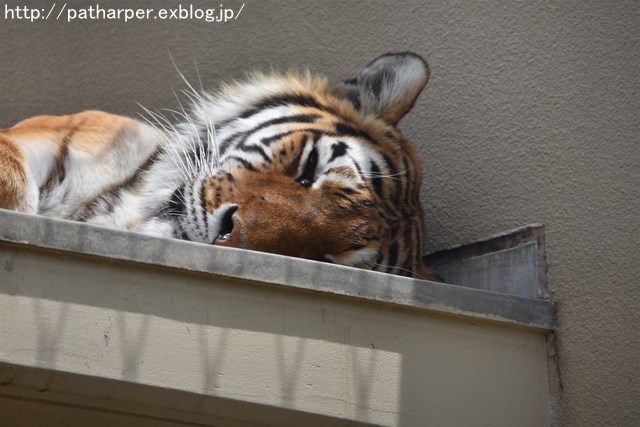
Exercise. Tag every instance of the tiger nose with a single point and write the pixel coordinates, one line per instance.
(230, 234)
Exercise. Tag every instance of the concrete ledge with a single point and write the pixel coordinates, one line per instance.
(262, 268)
(100, 327)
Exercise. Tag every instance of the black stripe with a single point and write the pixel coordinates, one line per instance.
(268, 140)
(359, 169)
(256, 149)
(106, 201)
(395, 181)
(296, 160)
(376, 180)
(245, 164)
(143, 168)
(309, 171)
(298, 118)
(278, 101)
(193, 208)
(175, 207)
(392, 257)
(343, 129)
(338, 149)
(225, 144)
(393, 171)
(203, 211)
(316, 135)
(58, 171)
(345, 192)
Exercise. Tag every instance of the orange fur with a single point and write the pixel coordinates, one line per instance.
(13, 176)
(87, 131)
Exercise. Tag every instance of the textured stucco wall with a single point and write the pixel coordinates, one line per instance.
(531, 115)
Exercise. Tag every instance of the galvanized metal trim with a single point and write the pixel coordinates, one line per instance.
(512, 262)
(263, 268)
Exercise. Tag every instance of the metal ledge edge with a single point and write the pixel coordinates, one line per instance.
(263, 268)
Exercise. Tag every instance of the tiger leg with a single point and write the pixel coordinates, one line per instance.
(18, 190)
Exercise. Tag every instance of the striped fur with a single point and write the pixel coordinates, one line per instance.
(279, 163)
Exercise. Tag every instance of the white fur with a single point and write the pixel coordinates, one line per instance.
(357, 257)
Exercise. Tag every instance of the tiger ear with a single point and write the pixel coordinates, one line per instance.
(387, 87)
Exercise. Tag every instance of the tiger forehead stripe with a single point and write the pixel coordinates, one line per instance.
(279, 100)
(282, 100)
(241, 137)
(343, 129)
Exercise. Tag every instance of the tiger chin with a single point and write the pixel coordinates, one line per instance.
(286, 164)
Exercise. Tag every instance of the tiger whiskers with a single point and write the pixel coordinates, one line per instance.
(168, 129)
(196, 98)
(188, 121)
(204, 161)
(396, 176)
(179, 141)
(211, 128)
(194, 143)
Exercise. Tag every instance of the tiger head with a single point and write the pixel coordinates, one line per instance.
(291, 165)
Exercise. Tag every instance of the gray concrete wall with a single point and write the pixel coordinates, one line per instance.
(531, 115)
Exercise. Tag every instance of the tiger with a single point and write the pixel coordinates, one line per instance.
(285, 163)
